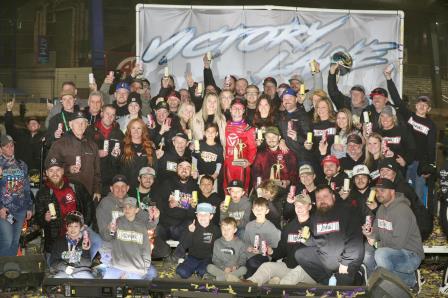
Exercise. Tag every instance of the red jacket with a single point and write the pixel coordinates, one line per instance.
(239, 132)
(245, 134)
(267, 158)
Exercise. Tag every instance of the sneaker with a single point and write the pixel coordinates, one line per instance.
(180, 261)
(444, 290)
(363, 271)
(420, 282)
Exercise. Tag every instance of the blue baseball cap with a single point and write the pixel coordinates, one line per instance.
(205, 208)
(122, 85)
(289, 91)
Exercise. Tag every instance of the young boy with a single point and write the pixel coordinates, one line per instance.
(199, 241)
(207, 195)
(70, 256)
(131, 251)
(260, 237)
(229, 254)
(239, 207)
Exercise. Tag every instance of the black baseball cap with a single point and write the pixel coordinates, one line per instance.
(389, 163)
(385, 183)
(378, 91)
(180, 135)
(354, 138)
(235, 183)
(119, 178)
(78, 115)
(270, 80)
(53, 162)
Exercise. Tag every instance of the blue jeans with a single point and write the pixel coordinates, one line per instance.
(10, 234)
(95, 242)
(418, 182)
(401, 262)
(192, 265)
(115, 273)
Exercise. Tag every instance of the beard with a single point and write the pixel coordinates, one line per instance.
(322, 210)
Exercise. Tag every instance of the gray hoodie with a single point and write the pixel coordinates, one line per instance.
(229, 253)
(396, 227)
(131, 250)
(240, 211)
(110, 208)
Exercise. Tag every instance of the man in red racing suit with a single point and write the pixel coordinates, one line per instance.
(240, 140)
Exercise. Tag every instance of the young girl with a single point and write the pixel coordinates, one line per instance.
(209, 157)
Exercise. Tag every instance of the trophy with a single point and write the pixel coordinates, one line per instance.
(238, 158)
(344, 61)
(276, 171)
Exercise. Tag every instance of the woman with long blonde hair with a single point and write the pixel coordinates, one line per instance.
(210, 113)
(186, 113)
(138, 151)
(373, 154)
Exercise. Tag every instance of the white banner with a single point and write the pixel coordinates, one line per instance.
(257, 42)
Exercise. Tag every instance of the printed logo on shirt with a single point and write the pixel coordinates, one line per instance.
(69, 198)
(293, 238)
(237, 215)
(327, 227)
(320, 132)
(207, 237)
(385, 225)
(418, 126)
(185, 199)
(392, 140)
(130, 236)
(209, 156)
(228, 251)
(232, 139)
(171, 166)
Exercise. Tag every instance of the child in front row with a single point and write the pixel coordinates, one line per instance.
(131, 250)
(260, 237)
(228, 254)
(198, 240)
(70, 256)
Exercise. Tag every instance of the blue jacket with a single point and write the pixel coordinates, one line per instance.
(14, 186)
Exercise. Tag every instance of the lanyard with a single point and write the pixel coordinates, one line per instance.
(65, 122)
(138, 197)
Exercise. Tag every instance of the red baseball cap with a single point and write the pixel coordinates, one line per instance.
(330, 158)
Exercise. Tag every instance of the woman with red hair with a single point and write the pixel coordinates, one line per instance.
(138, 151)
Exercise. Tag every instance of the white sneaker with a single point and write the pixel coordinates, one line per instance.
(444, 290)
(363, 270)
(180, 261)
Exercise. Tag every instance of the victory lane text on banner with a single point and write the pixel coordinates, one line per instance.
(255, 42)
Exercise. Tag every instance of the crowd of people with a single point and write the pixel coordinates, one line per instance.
(281, 185)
